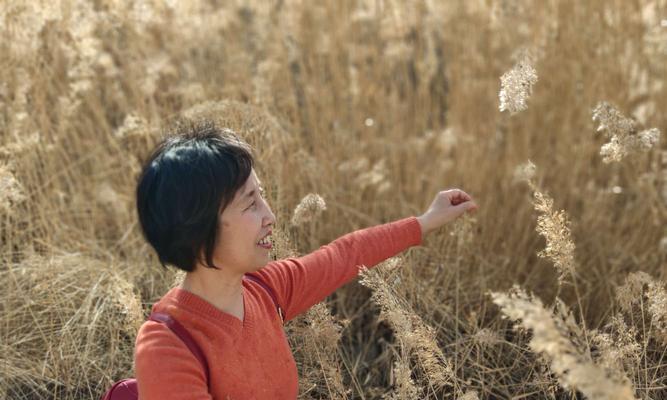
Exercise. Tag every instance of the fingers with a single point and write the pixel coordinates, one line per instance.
(457, 196)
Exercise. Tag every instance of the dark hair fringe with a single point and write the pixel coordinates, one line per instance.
(188, 180)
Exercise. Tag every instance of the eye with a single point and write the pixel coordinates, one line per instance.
(253, 204)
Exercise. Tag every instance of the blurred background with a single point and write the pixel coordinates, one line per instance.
(375, 105)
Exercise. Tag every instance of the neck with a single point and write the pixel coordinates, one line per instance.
(222, 288)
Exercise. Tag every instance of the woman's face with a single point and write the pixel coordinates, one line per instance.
(243, 223)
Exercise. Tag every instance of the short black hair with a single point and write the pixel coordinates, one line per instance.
(190, 177)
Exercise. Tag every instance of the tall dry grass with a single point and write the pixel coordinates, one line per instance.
(374, 106)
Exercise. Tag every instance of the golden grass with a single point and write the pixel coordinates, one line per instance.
(551, 336)
(374, 106)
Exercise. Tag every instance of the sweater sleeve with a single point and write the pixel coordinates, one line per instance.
(165, 368)
(303, 282)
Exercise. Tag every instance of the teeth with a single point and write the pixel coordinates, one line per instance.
(264, 241)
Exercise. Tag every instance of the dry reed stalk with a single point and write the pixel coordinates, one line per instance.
(623, 134)
(463, 231)
(282, 244)
(256, 125)
(639, 286)
(551, 337)
(317, 333)
(663, 176)
(618, 348)
(325, 333)
(74, 85)
(414, 335)
(22, 146)
(405, 386)
(120, 204)
(486, 337)
(133, 125)
(73, 322)
(315, 337)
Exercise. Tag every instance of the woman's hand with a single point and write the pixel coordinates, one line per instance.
(446, 207)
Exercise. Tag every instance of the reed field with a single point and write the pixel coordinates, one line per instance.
(550, 114)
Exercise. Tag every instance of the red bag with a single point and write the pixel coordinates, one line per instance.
(126, 389)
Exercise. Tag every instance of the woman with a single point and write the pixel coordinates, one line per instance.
(201, 208)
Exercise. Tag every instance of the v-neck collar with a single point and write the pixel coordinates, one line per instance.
(198, 305)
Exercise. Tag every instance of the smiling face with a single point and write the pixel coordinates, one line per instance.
(241, 226)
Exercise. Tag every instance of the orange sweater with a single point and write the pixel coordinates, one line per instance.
(251, 359)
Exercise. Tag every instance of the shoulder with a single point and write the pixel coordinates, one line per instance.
(164, 366)
(155, 339)
(154, 333)
(157, 345)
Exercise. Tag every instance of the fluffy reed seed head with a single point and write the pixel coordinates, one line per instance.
(376, 177)
(469, 395)
(516, 86)
(133, 125)
(640, 287)
(486, 337)
(404, 386)
(325, 331)
(11, 190)
(524, 172)
(617, 347)
(573, 367)
(23, 145)
(325, 327)
(657, 307)
(413, 334)
(554, 226)
(315, 336)
(309, 208)
(623, 133)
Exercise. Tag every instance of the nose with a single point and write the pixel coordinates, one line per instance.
(270, 218)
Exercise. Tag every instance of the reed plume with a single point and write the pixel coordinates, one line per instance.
(414, 335)
(553, 225)
(551, 337)
(623, 134)
(516, 86)
(309, 208)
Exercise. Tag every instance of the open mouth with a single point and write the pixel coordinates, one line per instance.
(265, 243)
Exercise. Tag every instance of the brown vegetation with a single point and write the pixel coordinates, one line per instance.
(375, 106)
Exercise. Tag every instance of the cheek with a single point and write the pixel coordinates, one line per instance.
(243, 228)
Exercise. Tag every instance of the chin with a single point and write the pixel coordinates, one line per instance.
(258, 267)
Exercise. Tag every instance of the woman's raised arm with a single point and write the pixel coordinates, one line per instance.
(304, 281)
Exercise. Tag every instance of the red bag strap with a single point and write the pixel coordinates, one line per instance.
(183, 334)
(271, 293)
